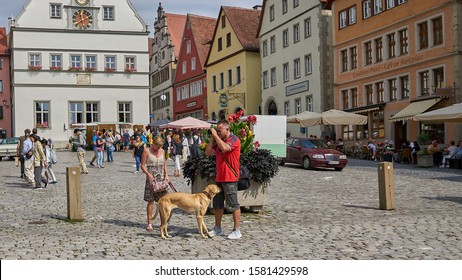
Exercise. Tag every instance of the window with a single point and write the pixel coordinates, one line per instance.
(108, 13)
(125, 112)
(273, 77)
(1, 85)
(265, 79)
(401, 2)
(90, 62)
(378, 50)
(184, 92)
(296, 33)
(308, 64)
(193, 64)
(230, 77)
(378, 6)
(285, 38)
(354, 97)
(110, 62)
(285, 72)
(223, 22)
(42, 112)
(391, 45)
(368, 52)
(403, 39)
(347, 132)
(438, 77)
(284, 6)
(424, 83)
(437, 31)
(265, 48)
(367, 11)
(188, 46)
(1, 112)
(238, 75)
(369, 93)
(286, 108)
(228, 40)
(273, 44)
(34, 60)
(76, 112)
(353, 58)
(297, 68)
(307, 24)
(178, 93)
(345, 99)
(343, 19)
(271, 12)
(379, 91)
(423, 35)
(222, 81)
(56, 61)
(184, 67)
(378, 124)
(1, 63)
(309, 103)
(404, 82)
(91, 112)
(392, 90)
(390, 4)
(130, 63)
(220, 44)
(344, 58)
(352, 15)
(295, 3)
(76, 61)
(55, 10)
(298, 106)
(214, 83)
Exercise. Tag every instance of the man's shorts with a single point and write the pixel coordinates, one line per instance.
(229, 194)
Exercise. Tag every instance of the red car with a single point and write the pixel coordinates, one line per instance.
(313, 153)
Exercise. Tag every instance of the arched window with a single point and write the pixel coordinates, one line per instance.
(272, 108)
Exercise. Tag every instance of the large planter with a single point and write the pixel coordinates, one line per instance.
(425, 160)
(255, 197)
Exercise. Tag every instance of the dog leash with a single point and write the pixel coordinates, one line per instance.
(171, 185)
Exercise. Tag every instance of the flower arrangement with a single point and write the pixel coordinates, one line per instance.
(130, 69)
(35, 67)
(90, 69)
(262, 164)
(109, 69)
(55, 68)
(74, 68)
(41, 125)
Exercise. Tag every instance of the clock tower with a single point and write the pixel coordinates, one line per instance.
(82, 15)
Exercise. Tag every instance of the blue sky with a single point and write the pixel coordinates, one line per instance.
(146, 8)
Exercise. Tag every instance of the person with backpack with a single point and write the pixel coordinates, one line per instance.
(81, 146)
(194, 148)
(177, 150)
(51, 158)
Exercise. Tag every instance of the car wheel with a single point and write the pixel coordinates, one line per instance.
(338, 168)
(306, 163)
(281, 162)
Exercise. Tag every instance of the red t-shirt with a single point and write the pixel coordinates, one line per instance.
(224, 174)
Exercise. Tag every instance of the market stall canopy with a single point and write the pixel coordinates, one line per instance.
(187, 123)
(331, 117)
(448, 114)
(413, 109)
(159, 122)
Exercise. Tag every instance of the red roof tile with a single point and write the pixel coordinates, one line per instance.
(245, 25)
(175, 25)
(202, 29)
(3, 40)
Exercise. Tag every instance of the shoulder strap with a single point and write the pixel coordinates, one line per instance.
(229, 165)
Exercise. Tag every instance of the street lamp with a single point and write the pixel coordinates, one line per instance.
(5, 103)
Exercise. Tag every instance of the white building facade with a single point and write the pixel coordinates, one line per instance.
(297, 62)
(78, 62)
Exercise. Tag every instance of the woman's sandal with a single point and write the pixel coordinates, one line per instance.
(149, 227)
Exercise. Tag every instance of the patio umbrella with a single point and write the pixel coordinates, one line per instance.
(186, 123)
(159, 122)
(448, 114)
(306, 119)
(337, 117)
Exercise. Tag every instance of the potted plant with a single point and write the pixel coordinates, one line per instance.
(56, 68)
(74, 68)
(424, 157)
(35, 67)
(42, 125)
(109, 69)
(262, 165)
(130, 69)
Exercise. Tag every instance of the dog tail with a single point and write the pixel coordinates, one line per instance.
(156, 213)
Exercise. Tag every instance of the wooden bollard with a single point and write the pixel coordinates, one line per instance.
(74, 195)
(386, 186)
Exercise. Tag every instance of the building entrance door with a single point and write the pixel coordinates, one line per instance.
(400, 134)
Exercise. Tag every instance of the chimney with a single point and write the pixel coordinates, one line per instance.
(11, 22)
(257, 7)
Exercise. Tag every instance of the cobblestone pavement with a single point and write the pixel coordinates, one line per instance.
(310, 215)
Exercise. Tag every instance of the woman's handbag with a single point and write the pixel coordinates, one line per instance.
(158, 186)
(112, 148)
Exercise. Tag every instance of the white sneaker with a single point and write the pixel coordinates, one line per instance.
(136, 172)
(215, 231)
(235, 234)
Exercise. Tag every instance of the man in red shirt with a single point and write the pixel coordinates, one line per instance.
(227, 149)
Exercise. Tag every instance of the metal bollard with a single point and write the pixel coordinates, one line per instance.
(386, 186)
(74, 195)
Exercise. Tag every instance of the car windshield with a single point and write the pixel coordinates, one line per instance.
(306, 143)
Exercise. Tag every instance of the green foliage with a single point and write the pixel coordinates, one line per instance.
(423, 139)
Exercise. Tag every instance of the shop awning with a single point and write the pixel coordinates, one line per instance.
(413, 109)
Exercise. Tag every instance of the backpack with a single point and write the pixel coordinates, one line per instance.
(195, 148)
(53, 156)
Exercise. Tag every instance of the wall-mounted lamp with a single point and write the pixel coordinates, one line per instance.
(5, 103)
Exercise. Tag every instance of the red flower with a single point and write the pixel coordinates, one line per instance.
(252, 119)
(233, 118)
(256, 144)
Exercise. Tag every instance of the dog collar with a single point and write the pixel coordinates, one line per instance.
(207, 194)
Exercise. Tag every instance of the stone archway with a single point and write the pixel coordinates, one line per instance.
(272, 108)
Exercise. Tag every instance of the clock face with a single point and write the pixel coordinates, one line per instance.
(82, 19)
(82, 2)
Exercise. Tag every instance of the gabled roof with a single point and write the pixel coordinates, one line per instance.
(3, 41)
(245, 24)
(175, 25)
(202, 29)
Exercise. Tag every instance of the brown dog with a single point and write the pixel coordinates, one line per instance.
(191, 203)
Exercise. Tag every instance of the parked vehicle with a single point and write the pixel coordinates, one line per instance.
(8, 147)
(313, 153)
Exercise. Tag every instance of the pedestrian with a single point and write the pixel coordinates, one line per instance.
(39, 161)
(117, 139)
(177, 150)
(81, 146)
(28, 156)
(47, 170)
(110, 140)
(19, 148)
(138, 149)
(154, 165)
(99, 149)
(227, 150)
(95, 149)
(126, 137)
